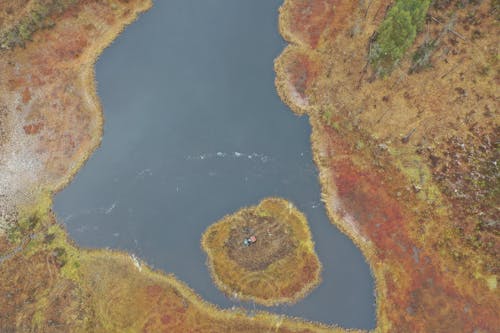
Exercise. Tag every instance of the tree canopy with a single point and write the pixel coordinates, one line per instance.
(397, 33)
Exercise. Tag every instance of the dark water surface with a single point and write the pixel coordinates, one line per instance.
(195, 130)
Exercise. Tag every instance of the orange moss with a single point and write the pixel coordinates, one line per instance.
(304, 22)
(26, 95)
(298, 69)
(32, 128)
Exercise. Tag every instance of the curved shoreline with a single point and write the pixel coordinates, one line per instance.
(376, 187)
(328, 196)
(241, 295)
(375, 184)
(236, 314)
(92, 99)
(87, 79)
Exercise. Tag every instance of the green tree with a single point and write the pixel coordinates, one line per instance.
(397, 33)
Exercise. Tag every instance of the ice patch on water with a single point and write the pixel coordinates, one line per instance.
(145, 172)
(67, 218)
(315, 204)
(82, 228)
(232, 155)
(102, 210)
(110, 208)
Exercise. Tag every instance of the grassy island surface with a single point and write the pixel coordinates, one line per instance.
(280, 267)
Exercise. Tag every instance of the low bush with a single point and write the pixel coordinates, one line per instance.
(38, 18)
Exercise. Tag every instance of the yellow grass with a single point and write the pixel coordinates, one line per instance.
(285, 280)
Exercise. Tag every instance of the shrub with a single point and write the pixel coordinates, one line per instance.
(422, 57)
(37, 18)
(397, 33)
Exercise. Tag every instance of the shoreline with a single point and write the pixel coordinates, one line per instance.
(377, 185)
(262, 317)
(327, 185)
(381, 176)
(87, 82)
(273, 301)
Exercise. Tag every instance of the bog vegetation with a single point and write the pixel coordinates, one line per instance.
(39, 17)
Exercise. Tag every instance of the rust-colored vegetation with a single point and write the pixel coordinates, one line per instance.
(281, 266)
(408, 163)
(51, 118)
(306, 22)
(408, 166)
(49, 285)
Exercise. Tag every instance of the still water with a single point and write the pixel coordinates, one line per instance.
(194, 131)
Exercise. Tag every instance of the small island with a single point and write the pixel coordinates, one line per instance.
(263, 253)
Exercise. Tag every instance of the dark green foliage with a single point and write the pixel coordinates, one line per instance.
(397, 33)
(422, 57)
(49, 238)
(24, 227)
(60, 256)
(495, 9)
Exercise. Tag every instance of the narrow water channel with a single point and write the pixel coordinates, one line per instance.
(194, 130)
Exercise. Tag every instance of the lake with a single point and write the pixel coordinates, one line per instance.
(194, 130)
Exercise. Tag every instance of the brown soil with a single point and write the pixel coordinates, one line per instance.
(274, 240)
